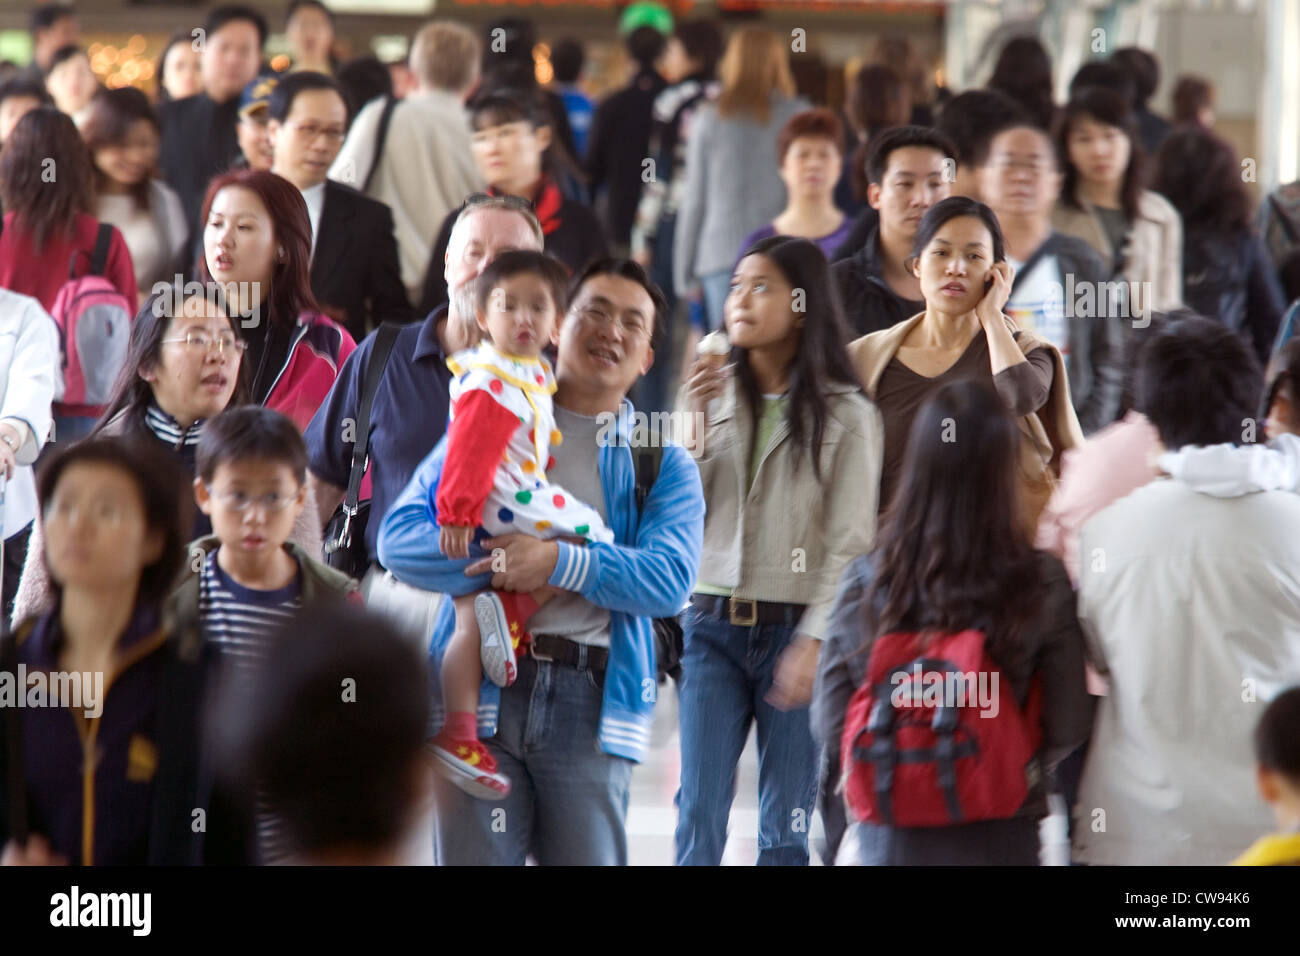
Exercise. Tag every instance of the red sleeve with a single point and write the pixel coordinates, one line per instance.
(476, 440)
(119, 269)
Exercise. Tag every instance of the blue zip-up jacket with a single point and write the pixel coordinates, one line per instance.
(647, 573)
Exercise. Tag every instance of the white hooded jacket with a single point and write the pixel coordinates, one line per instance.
(1191, 603)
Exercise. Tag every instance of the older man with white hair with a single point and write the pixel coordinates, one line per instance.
(409, 411)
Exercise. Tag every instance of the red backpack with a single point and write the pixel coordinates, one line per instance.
(918, 751)
(94, 322)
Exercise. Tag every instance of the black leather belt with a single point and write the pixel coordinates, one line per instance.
(561, 650)
(746, 613)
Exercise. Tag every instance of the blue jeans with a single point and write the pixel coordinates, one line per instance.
(726, 672)
(715, 286)
(568, 800)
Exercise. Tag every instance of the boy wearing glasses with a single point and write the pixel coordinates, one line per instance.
(247, 577)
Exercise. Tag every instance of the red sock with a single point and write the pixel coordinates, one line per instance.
(461, 725)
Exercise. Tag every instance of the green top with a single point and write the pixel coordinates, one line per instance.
(773, 412)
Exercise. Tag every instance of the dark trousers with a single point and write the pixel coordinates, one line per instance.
(15, 555)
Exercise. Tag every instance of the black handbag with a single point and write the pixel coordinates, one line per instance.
(345, 534)
(669, 640)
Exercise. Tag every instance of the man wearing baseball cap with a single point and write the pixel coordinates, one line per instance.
(254, 139)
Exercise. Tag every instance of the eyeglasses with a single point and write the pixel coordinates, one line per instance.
(599, 315)
(108, 513)
(309, 132)
(239, 501)
(202, 342)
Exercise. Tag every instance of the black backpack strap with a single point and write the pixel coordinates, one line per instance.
(646, 461)
(385, 338)
(390, 103)
(1028, 265)
(99, 258)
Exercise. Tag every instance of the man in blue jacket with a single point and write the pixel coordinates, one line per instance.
(577, 718)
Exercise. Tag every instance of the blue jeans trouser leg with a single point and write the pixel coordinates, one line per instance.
(726, 672)
(568, 800)
(716, 285)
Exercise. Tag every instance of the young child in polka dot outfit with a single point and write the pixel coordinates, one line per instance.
(494, 482)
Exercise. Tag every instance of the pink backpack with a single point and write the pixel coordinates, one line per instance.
(94, 322)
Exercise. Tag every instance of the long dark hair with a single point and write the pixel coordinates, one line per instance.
(160, 92)
(1111, 109)
(1199, 173)
(132, 395)
(46, 140)
(112, 114)
(1024, 73)
(822, 356)
(878, 100)
(291, 293)
(952, 552)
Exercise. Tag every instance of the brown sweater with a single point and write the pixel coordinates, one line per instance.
(1048, 427)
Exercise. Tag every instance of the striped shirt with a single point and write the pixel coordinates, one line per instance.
(239, 622)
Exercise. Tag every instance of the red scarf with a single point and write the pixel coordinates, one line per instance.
(547, 202)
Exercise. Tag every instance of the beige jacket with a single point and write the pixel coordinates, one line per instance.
(1046, 434)
(789, 539)
(1155, 247)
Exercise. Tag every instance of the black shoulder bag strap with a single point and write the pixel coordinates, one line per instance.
(385, 338)
(1028, 265)
(390, 103)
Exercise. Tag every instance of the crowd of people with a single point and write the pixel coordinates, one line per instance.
(327, 375)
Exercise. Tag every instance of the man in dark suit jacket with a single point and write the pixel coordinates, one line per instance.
(620, 139)
(198, 133)
(354, 267)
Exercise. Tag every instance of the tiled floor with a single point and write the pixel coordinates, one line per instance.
(652, 817)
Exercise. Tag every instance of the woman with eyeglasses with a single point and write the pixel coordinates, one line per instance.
(257, 250)
(184, 365)
(514, 153)
(107, 773)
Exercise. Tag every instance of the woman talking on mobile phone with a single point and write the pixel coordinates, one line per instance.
(965, 280)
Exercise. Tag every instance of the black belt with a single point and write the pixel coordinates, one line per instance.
(745, 613)
(561, 650)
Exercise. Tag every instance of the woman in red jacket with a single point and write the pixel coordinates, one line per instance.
(257, 244)
(47, 185)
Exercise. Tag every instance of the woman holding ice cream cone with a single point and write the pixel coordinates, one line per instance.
(790, 460)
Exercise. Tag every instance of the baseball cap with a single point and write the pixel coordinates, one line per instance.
(257, 95)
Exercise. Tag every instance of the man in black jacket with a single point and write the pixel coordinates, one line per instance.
(1056, 276)
(620, 139)
(908, 171)
(198, 132)
(354, 270)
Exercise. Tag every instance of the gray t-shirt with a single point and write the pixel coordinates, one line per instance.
(1116, 225)
(576, 457)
